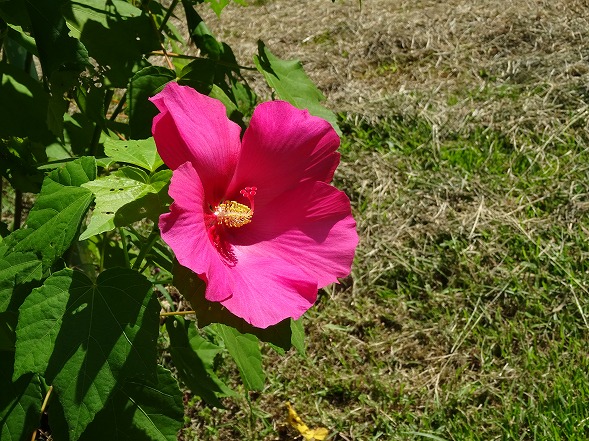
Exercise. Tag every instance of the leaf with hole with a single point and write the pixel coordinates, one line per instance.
(130, 188)
(52, 223)
(142, 153)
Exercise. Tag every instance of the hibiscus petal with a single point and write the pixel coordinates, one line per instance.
(185, 231)
(283, 146)
(194, 127)
(268, 290)
(311, 227)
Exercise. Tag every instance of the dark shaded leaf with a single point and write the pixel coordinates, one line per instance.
(116, 34)
(145, 84)
(87, 337)
(193, 289)
(140, 410)
(20, 402)
(194, 356)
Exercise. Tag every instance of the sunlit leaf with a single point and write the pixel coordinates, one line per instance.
(291, 83)
(142, 153)
(119, 189)
(140, 410)
(193, 356)
(52, 223)
(245, 350)
(86, 337)
(75, 173)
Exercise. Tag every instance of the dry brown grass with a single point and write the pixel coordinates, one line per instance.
(438, 259)
(433, 58)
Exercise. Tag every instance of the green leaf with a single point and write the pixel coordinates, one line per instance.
(116, 34)
(199, 33)
(23, 105)
(123, 187)
(291, 83)
(194, 356)
(145, 84)
(245, 350)
(298, 335)
(17, 34)
(193, 289)
(217, 5)
(142, 410)
(19, 159)
(87, 337)
(76, 173)
(20, 402)
(16, 269)
(199, 74)
(142, 153)
(52, 223)
(233, 112)
(62, 57)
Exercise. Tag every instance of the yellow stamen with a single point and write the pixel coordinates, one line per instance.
(233, 214)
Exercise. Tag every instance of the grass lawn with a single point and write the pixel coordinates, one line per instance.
(466, 316)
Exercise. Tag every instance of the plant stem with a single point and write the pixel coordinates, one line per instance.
(45, 401)
(168, 14)
(168, 314)
(146, 248)
(193, 57)
(97, 129)
(119, 107)
(17, 209)
(145, 7)
(125, 251)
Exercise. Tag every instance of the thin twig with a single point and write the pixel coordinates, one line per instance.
(168, 314)
(45, 401)
(193, 57)
(146, 248)
(17, 209)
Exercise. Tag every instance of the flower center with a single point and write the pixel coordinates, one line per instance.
(233, 214)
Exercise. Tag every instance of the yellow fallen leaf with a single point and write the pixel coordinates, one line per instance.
(318, 434)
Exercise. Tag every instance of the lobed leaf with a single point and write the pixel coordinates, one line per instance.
(142, 153)
(126, 186)
(52, 223)
(86, 337)
(140, 410)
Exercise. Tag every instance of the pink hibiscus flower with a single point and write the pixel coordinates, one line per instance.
(256, 218)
